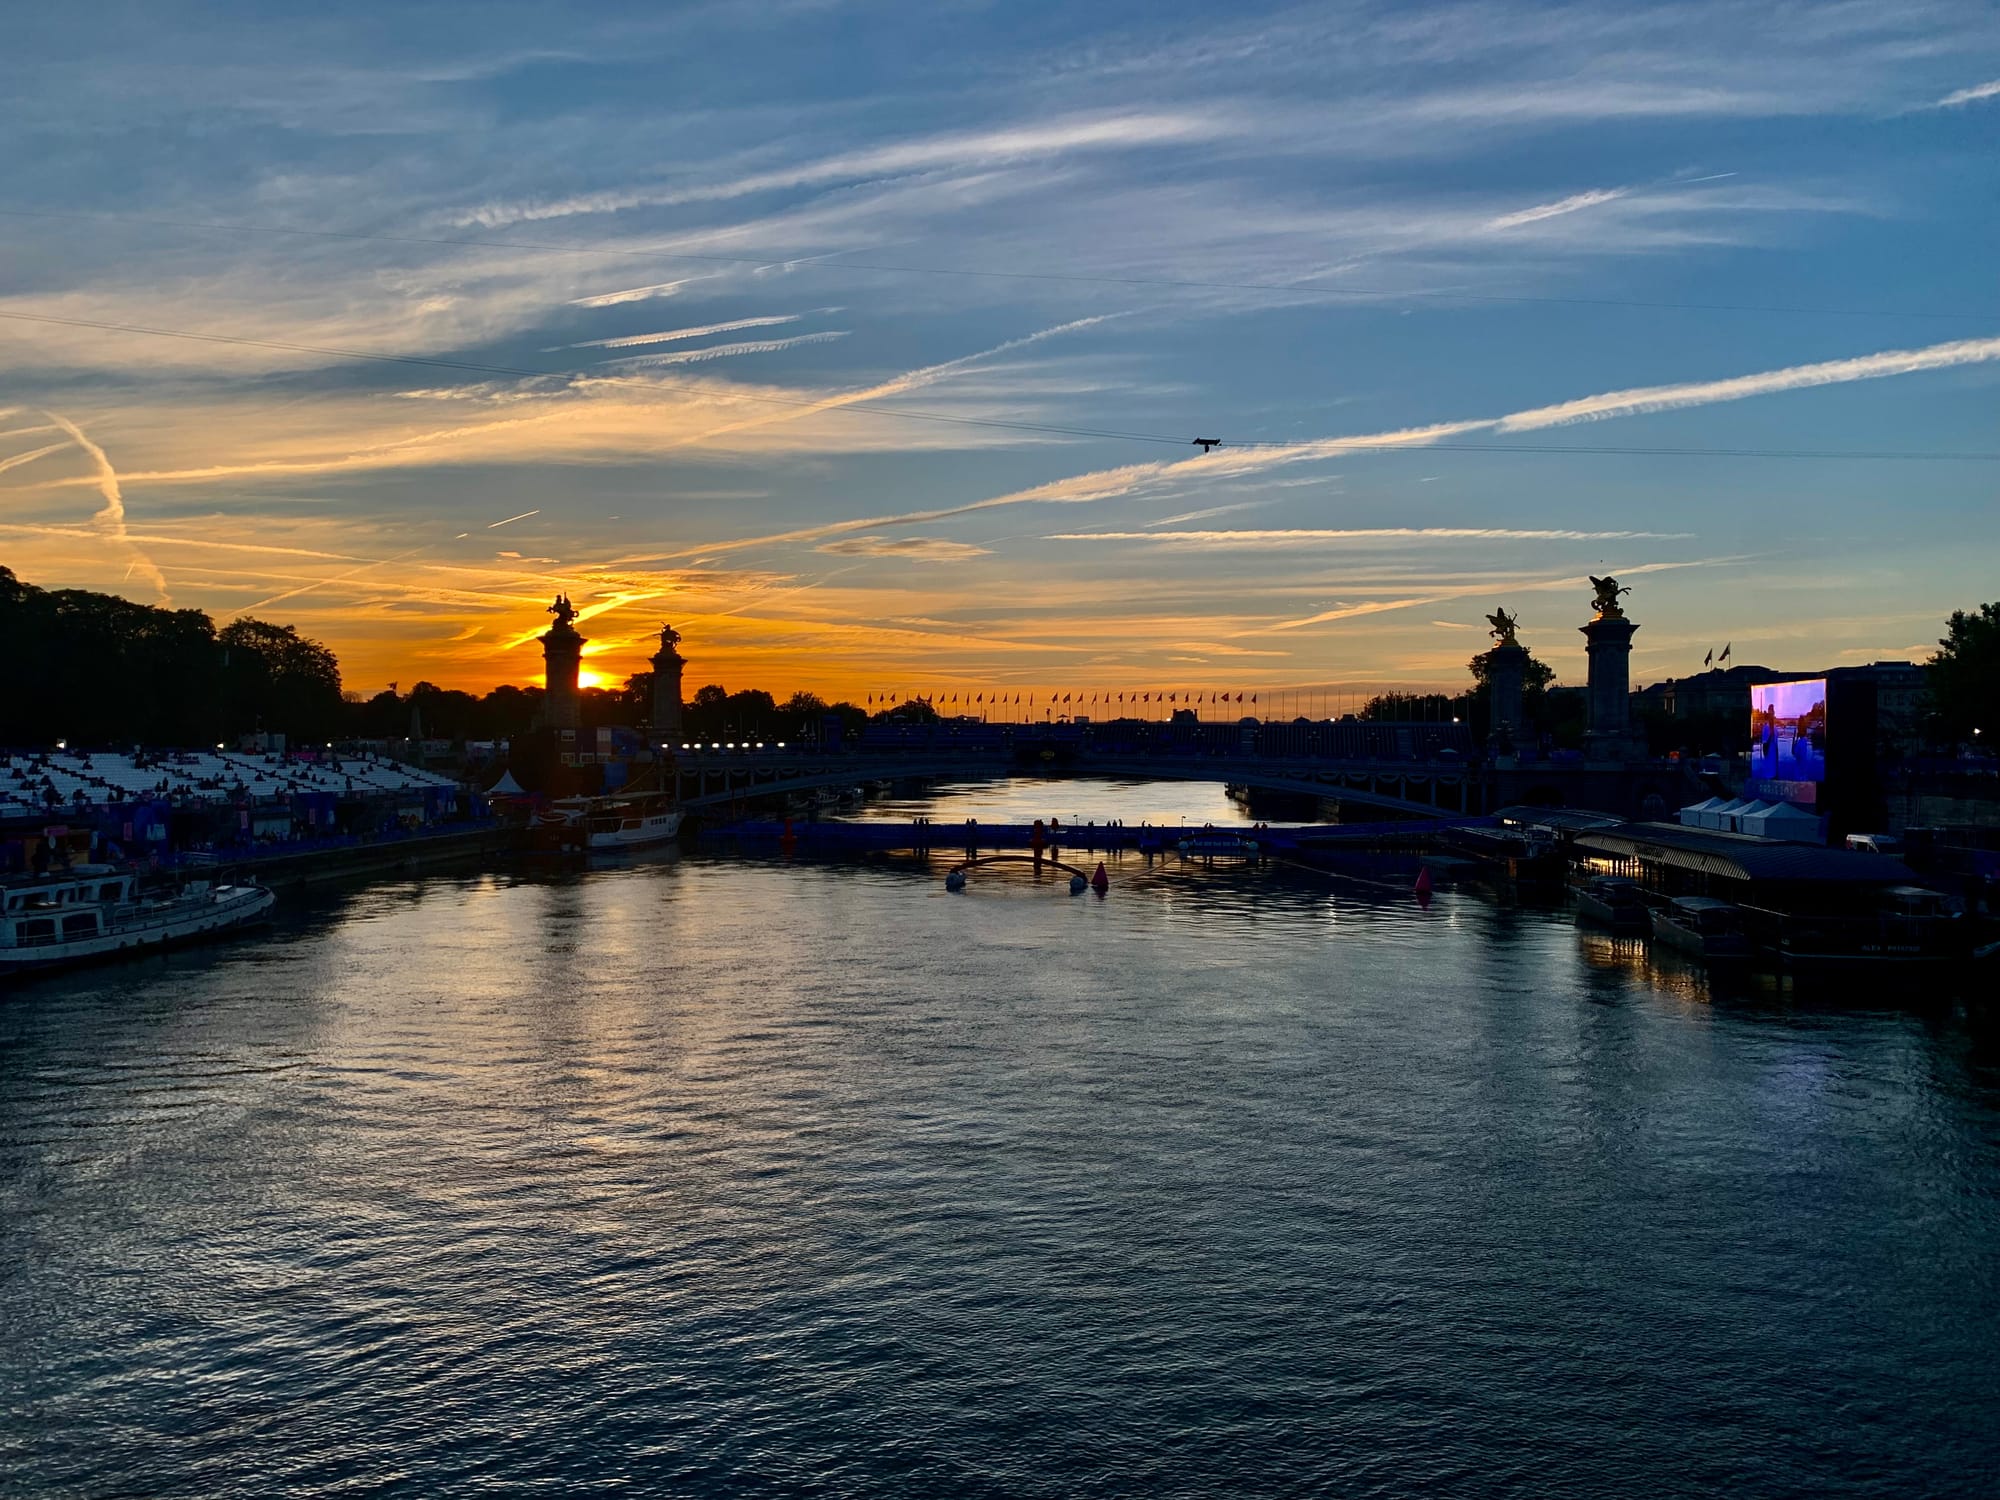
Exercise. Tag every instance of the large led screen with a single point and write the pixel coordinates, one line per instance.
(1788, 730)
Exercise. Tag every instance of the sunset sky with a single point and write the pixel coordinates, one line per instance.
(758, 318)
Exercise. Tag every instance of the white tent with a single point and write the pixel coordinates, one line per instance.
(1691, 815)
(1726, 818)
(1716, 815)
(506, 786)
(1745, 819)
(1783, 821)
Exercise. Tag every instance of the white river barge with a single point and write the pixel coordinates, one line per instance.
(97, 912)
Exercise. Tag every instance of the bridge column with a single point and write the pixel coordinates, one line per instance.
(1507, 664)
(668, 664)
(1608, 697)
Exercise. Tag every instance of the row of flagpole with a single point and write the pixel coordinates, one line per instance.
(1001, 699)
(1709, 660)
(1022, 703)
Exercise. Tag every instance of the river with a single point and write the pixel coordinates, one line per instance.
(722, 1175)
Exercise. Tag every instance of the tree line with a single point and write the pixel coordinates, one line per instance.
(98, 669)
(1548, 711)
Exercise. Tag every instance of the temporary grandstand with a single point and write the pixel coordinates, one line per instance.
(40, 782)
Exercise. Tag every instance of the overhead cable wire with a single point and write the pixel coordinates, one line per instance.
(834, 405)
(825, 262)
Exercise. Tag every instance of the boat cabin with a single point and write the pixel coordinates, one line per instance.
(1707, 915)
(44, 910)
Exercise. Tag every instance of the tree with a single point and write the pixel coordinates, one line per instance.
(910, 711)
(98, 669)
(276, 679)
(1413, 708)
(1537, 676)
(1965, 676)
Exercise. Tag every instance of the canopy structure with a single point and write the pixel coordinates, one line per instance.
(506, 786)
(1781, 820)
(1739, 857)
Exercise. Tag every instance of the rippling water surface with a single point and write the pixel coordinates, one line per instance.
(709, 1176)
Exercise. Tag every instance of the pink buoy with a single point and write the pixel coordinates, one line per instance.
(1100, 882)
(1423, 886)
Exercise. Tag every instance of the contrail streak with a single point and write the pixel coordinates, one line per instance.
(29, 457)
(111, 519)
(1230, 463)
(675, 335)
(324, 583)
(898, 385)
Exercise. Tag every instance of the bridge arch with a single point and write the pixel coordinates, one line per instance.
(1036, 860)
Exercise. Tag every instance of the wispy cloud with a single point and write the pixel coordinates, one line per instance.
(1380, 606)
(1097, 132)
(638, 293)
(1558, 208)
(1973, 95)
(917, 548)
(898, 385)
(675, 335)
(1204, 515)
(727, 351)
(1293, 538)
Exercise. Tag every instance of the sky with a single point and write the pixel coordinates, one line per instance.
(867, 342)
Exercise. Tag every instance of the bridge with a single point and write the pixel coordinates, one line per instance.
(1426, 770)
(880, 835)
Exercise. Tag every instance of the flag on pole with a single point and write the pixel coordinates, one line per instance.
(1709, 660)
(1725, 651)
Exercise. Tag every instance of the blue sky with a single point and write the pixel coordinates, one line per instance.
(687, 273)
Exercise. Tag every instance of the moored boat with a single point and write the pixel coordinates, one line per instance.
(95, 912)
(1614, 902)
(616, 822)
(1703, 927)
(1910, 925)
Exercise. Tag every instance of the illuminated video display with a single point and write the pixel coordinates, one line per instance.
(1788, 730)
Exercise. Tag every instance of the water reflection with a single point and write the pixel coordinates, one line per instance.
(722, 1175)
